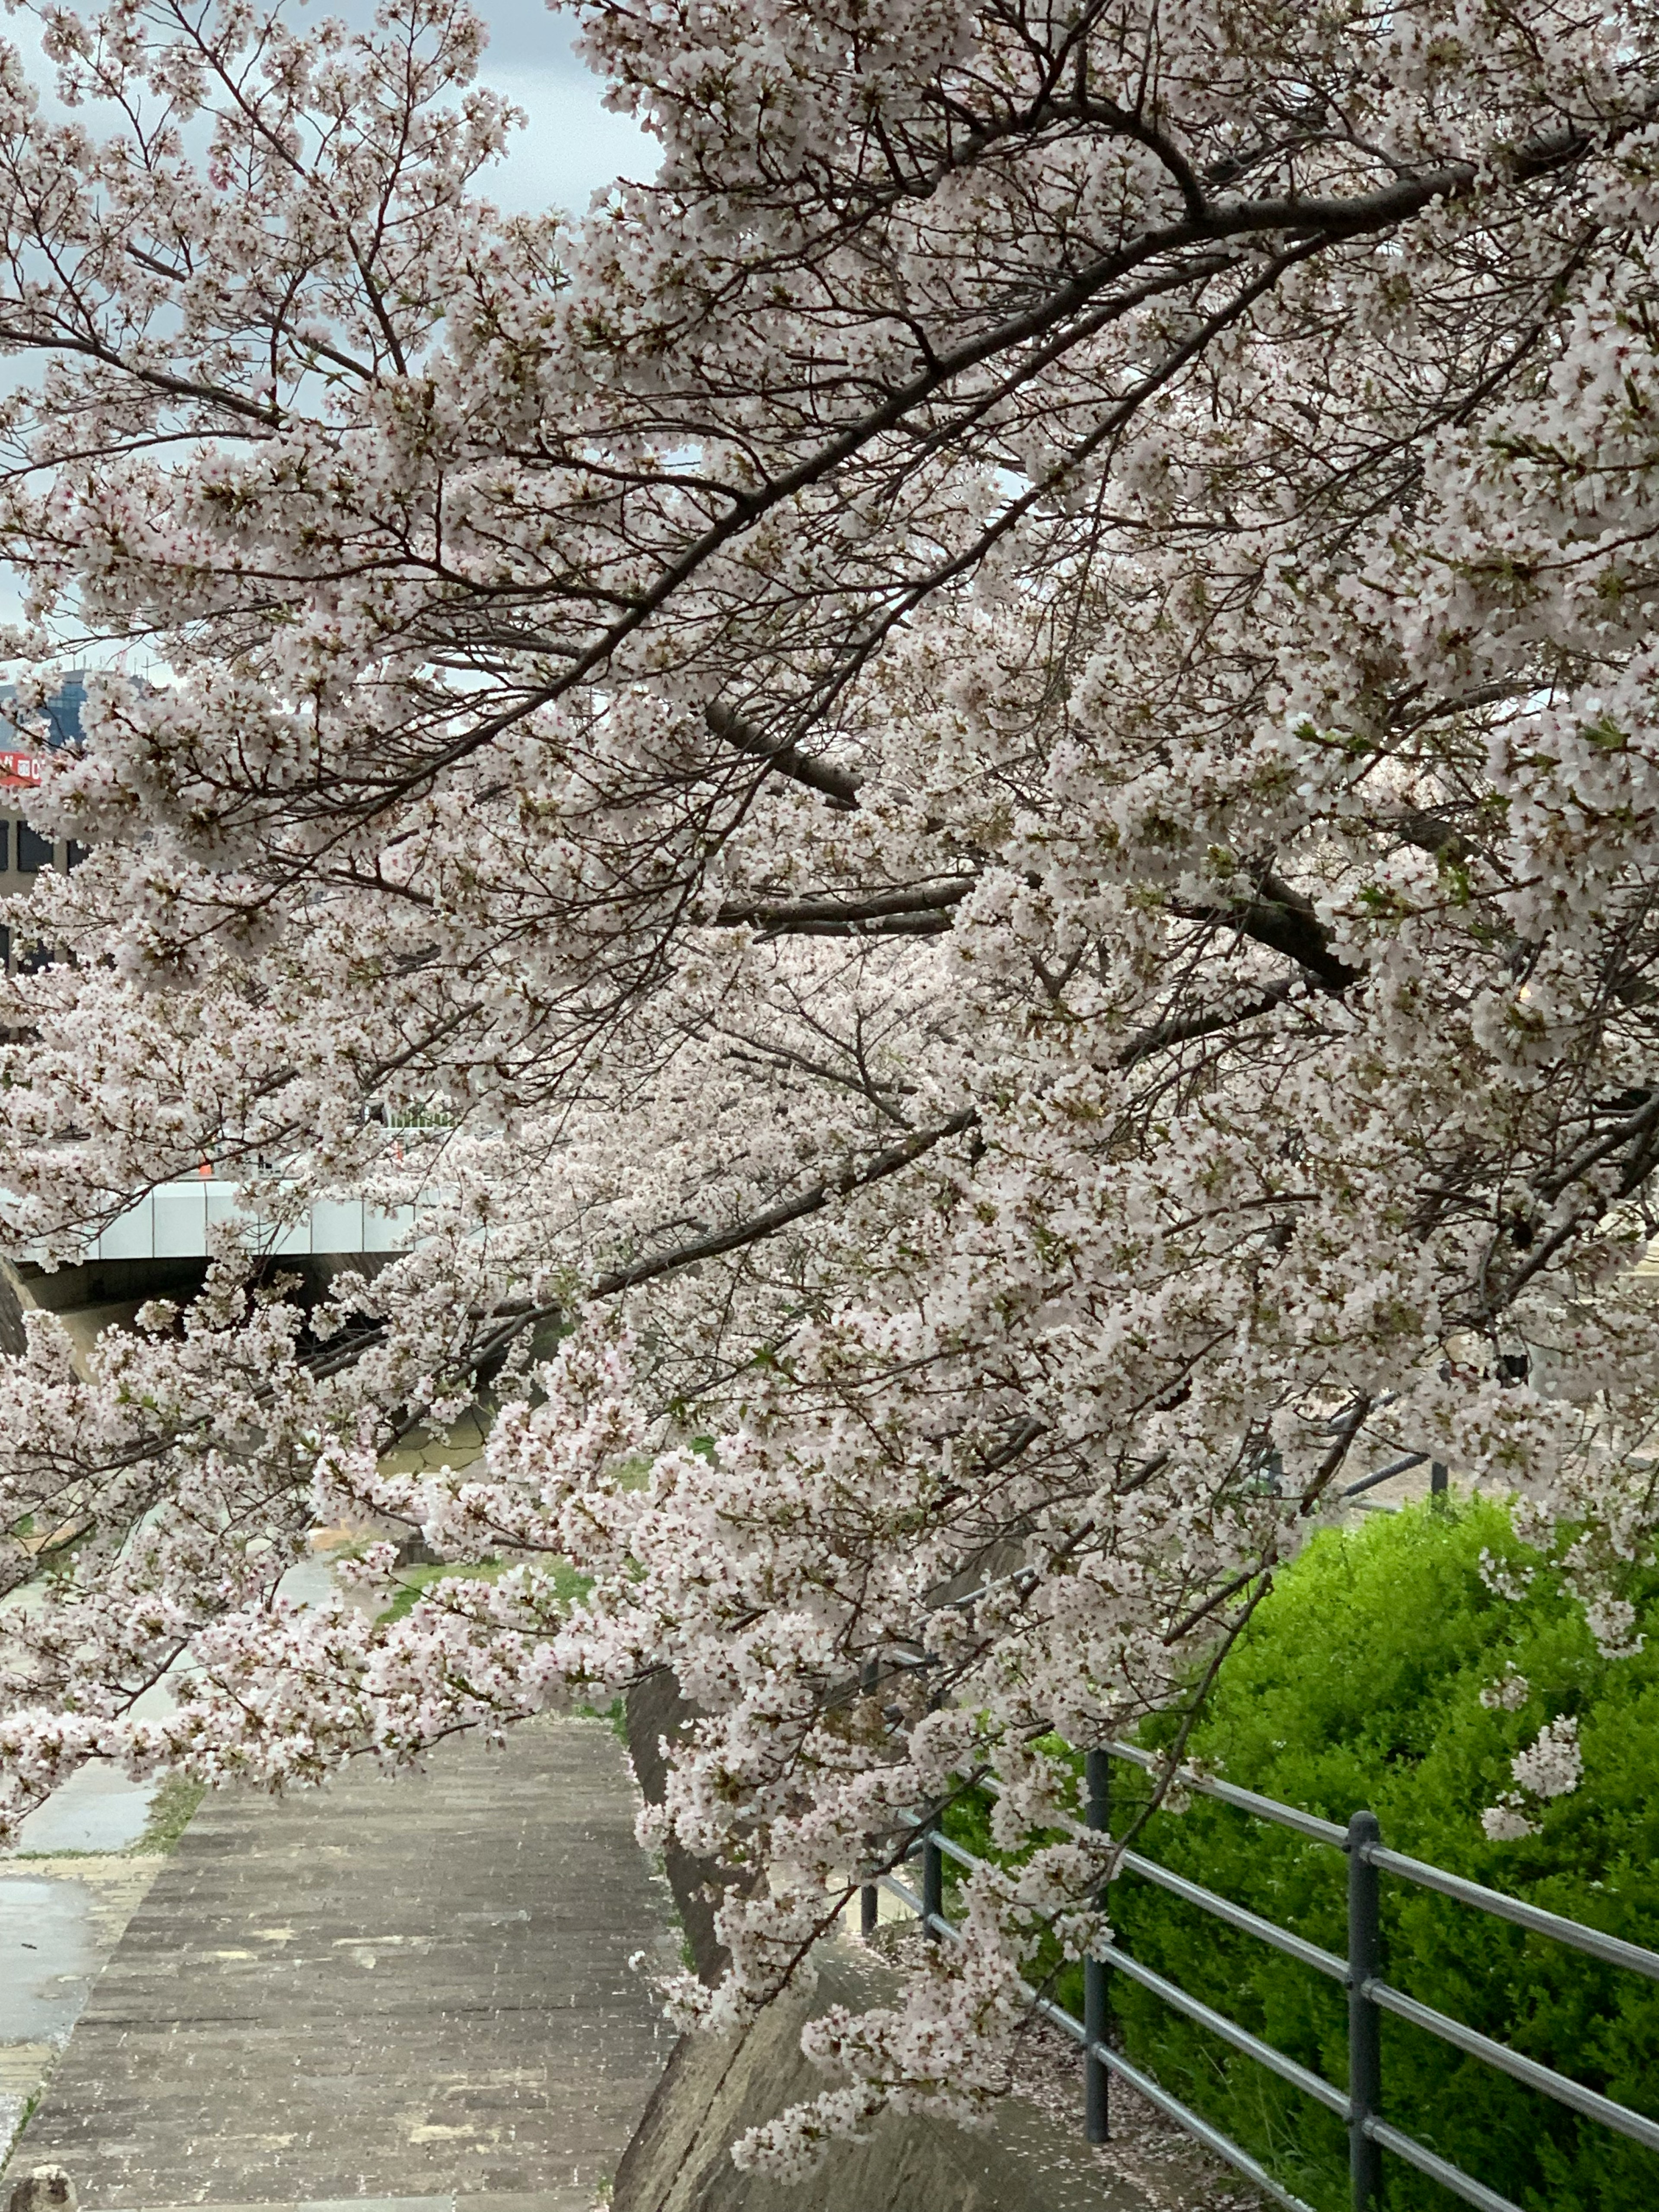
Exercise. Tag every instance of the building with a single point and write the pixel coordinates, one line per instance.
(23, 851)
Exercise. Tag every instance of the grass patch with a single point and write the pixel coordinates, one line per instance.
(171, 1811)
(415, 1581)
(614, 1716)
(32, 2106)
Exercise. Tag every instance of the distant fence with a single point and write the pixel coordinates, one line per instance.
(1370, 2133)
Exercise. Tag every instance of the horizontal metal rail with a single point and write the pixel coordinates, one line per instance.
(936, 1921)
(901, 1890)
(1238, 1915)
(1401, 1466)
(1612, 1949)
(1544, 2079)
(1264, 1808)
(1224, 2147)
(953, 1850)
(1368, 1994)
(1439, 2169)
(1311, 2085)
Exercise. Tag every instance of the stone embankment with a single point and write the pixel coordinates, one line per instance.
(1031, 2159)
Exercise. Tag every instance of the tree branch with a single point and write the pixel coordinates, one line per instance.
(760, 1225)
(1284, 921)
(919, 912)
(1180, 1029)
(834, 784)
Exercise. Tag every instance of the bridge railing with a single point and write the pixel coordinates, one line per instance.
(171, 1222)
(1372, 2132)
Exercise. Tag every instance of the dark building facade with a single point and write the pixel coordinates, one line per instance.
(23, 851)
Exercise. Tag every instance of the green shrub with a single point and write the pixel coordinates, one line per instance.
(1358, 1684)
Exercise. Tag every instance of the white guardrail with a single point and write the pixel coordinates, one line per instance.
(172, 1222)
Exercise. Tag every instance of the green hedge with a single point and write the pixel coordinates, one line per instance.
(1358, 1684)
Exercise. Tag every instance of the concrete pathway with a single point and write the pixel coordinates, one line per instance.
(402, 1991)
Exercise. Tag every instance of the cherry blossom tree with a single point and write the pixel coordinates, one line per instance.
(985, 767)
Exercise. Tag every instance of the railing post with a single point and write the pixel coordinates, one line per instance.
(1364, 2021)
(1439, 1479)
(1096, 2114)
(869, 1892)
(932, 1886)
(869, 1909)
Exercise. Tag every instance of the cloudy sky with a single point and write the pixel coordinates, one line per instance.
(572, 148)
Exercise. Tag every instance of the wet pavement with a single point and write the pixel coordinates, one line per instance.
(67, 1889)
(97, 1809)
(47, 1959)
(59, 1921)
(416, 1988)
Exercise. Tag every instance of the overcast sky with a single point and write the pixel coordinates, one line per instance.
(572, 148)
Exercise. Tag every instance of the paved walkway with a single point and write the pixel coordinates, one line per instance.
(408, 1991)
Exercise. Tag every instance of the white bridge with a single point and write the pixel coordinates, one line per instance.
(171, 1222)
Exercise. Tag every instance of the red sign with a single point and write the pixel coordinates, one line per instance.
(19, 768)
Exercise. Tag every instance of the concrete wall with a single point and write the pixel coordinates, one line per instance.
(679, 2159)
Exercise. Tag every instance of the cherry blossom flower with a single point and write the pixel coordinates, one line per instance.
(966, 796)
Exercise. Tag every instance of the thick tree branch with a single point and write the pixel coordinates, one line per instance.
(923, 912)
(759, 1225)
(836, 784)
(1284, 920)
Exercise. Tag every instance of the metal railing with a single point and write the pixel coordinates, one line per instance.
(1360, 1973)
(1439, 1475)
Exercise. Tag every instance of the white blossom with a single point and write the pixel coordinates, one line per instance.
(1553, 1764)
(966, 796)
(1508, 1693)
(1506, 1823)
